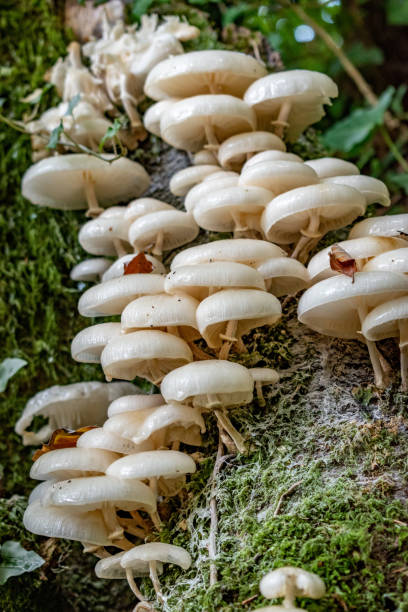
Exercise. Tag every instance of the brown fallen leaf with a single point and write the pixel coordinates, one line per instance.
(341, 261)
(61, 438)
(138, 265)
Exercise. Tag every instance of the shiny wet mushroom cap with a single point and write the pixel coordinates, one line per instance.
(388, 225)
(90, 270)
(236, 150)
(89, 343)
(184, 180)
(326, 167)
(290, 583)
(162, 231)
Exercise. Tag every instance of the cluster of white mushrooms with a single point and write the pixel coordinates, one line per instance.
(104, 483)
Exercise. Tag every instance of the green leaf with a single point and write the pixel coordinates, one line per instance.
(401, 180)
(361, 55)
(358, 126)
(397, 12)
(396, 105)
(55, 136)
(8, 368)
(235, 12)
(140, 7)
(15, 560)
(72, 104)
(111, 132)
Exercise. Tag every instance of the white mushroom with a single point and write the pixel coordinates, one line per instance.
(271, 156)
(200, 192)
(71, 406)
(162, 231)
(184, 180)
(290, 100)
(395, 260)
(73, 462)
(153, 115)
(117, 268)
(261, 378)
(205, 157)
(127, 403)
(149, 354)
(105, 440)
(98, 236)
(290, 583)
(374, 191)
(136, 209)
(326, 167)
(75, 181)
(90, 270)
(284, 276)
(278, 176)
(388, 225)
(89, 343)
(202, 72)
(236, 150)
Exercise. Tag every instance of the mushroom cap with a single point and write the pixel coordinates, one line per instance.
(127, 403)
(73, 462)
(229, 209)
(71, 406)
(39, 492)
(90, 270)
(239, 250)
(63, 523)
(89, 343)
(390, 261)
(111, 568)
(203, 190)
(92, 492)
(153, 115)
(97, 236)
(326, 167)
(331, 306)
(156, 551)
(209, 384)
(266, 376)
(205, 157)
(388, 225)
(202, 72)
(111, 297)
(278, 176)
(161, 311)
(149, 354)
(306, 584)
(138, 208)
(197, 280)
(383, 321)
(306, 90)
(250, 307)
(360, 249)
(153, 464)
(177, 228)
(374, 191)
(100, 438)
(287, 214)
(58, 182)
(271, 156)
(185, 179)
(233, 152)
(183, 125)
(219, 175)
(284, 275)
(117, 268)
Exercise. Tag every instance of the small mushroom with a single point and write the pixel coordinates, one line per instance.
(395, 260)
(162, 231)
(201, 191)
(128, 403)
(98, 236)
(362, 250)
(213, 386)
(111, 297)
(390, 320)
(74, 181)
(192, 123)
(184, 180)
(75, 462)
(154, 113)
(136, 209)
(149, 354)
(105, 440)
(388, 225)
(90, 270)
(239, 250)
(236, 150)
(117, 268)
(203, 72)
(305, 214)
(374, 191)
(337, 307)
(326, 167)
(154, 553)
(205, 157)
(261, 378)
(290, 583)
(291, 100)
(202, 280)
(284, 276)
(271, 156)
(278, 176)
(224, 317)
(70, 406)
(89, 343)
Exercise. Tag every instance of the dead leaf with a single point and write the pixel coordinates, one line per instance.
(61, 438)
(138, 265)
(341, 261)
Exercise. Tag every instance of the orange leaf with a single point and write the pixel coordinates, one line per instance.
(138, 265)
(61, 438)
(341, 261)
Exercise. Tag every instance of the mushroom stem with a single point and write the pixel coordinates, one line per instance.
(290, 595)
(282, 121)
(101, 553)
(119, 248)
(305, 242)
(403, 344)
(158, 245)
(210, 136)
(154, 373)
(94, 210)
(259, 393)
(226, 424)
(129, 102)
(229, 339)
(155, 581)
(111, 522)
(175, 445)
(199, 353)
(132, 584)
(379, 374)
(74, 52)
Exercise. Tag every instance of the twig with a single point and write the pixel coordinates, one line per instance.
(393, 148)
(212, 538)
(247, 601)
(285, 494)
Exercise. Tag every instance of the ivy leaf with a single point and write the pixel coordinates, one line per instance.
(397, 12)
(111, 132)
(72, 104)
(8, 368)
(358, 126)
(55, 136)
(16, 560)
